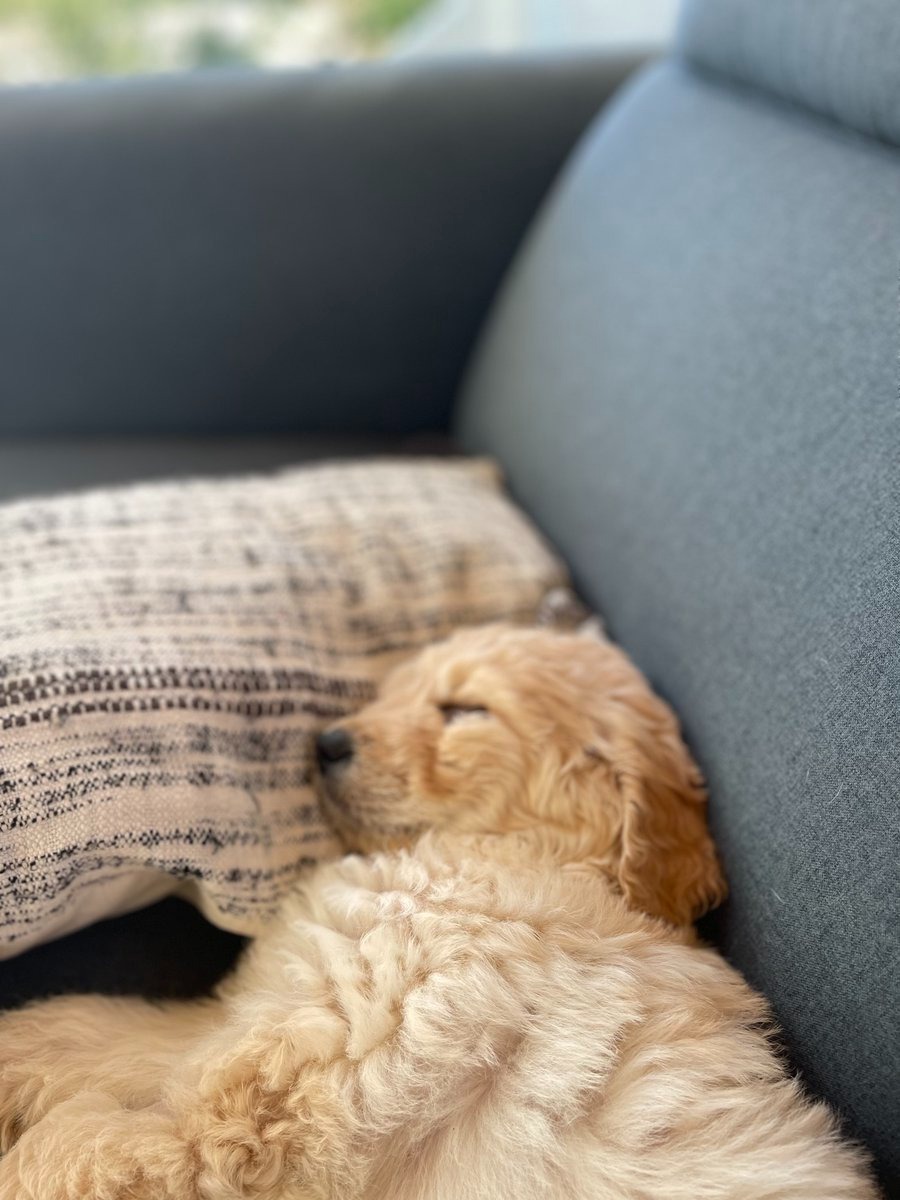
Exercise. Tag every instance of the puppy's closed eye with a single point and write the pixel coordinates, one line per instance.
(457, 712)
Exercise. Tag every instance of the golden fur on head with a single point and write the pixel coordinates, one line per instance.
(558, 739)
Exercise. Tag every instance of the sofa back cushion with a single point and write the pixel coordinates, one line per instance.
(252, 251)
(691, 379)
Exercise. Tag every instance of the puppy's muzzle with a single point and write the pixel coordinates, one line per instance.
(334, 748)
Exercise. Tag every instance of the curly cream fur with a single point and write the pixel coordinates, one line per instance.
(486, 1014)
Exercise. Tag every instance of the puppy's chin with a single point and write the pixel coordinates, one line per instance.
(364, 826)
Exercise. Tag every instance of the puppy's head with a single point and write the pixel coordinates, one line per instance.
(557, 737)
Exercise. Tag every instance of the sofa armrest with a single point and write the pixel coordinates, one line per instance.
(307, 250)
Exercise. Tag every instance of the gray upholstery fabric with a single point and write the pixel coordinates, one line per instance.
(302, 251)
(44, 466)
(838, 57)
(167, 951)
(692, 378)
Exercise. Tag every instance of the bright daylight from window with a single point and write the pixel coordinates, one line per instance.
(54, 39)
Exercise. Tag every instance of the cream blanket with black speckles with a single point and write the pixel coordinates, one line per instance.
(167, 651)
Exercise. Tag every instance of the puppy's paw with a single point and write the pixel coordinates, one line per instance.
(41, 1052)
(91, 1148)
(26, 1058)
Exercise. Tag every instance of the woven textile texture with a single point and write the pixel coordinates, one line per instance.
(168, 650)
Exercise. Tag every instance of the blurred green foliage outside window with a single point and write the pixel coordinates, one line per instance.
(54, 38)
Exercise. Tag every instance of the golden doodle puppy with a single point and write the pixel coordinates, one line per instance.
(499, 999)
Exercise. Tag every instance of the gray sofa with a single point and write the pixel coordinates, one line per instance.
(688, 365)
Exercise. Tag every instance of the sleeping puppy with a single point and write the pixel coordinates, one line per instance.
(500, 999)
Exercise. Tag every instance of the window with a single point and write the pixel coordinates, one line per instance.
(53, 39)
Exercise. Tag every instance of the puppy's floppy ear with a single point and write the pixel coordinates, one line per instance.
(668, 865)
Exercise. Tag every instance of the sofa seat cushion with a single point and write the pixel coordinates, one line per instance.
(166, 951)
(47, 465)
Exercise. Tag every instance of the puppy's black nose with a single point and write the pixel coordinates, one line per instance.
(333, 746)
